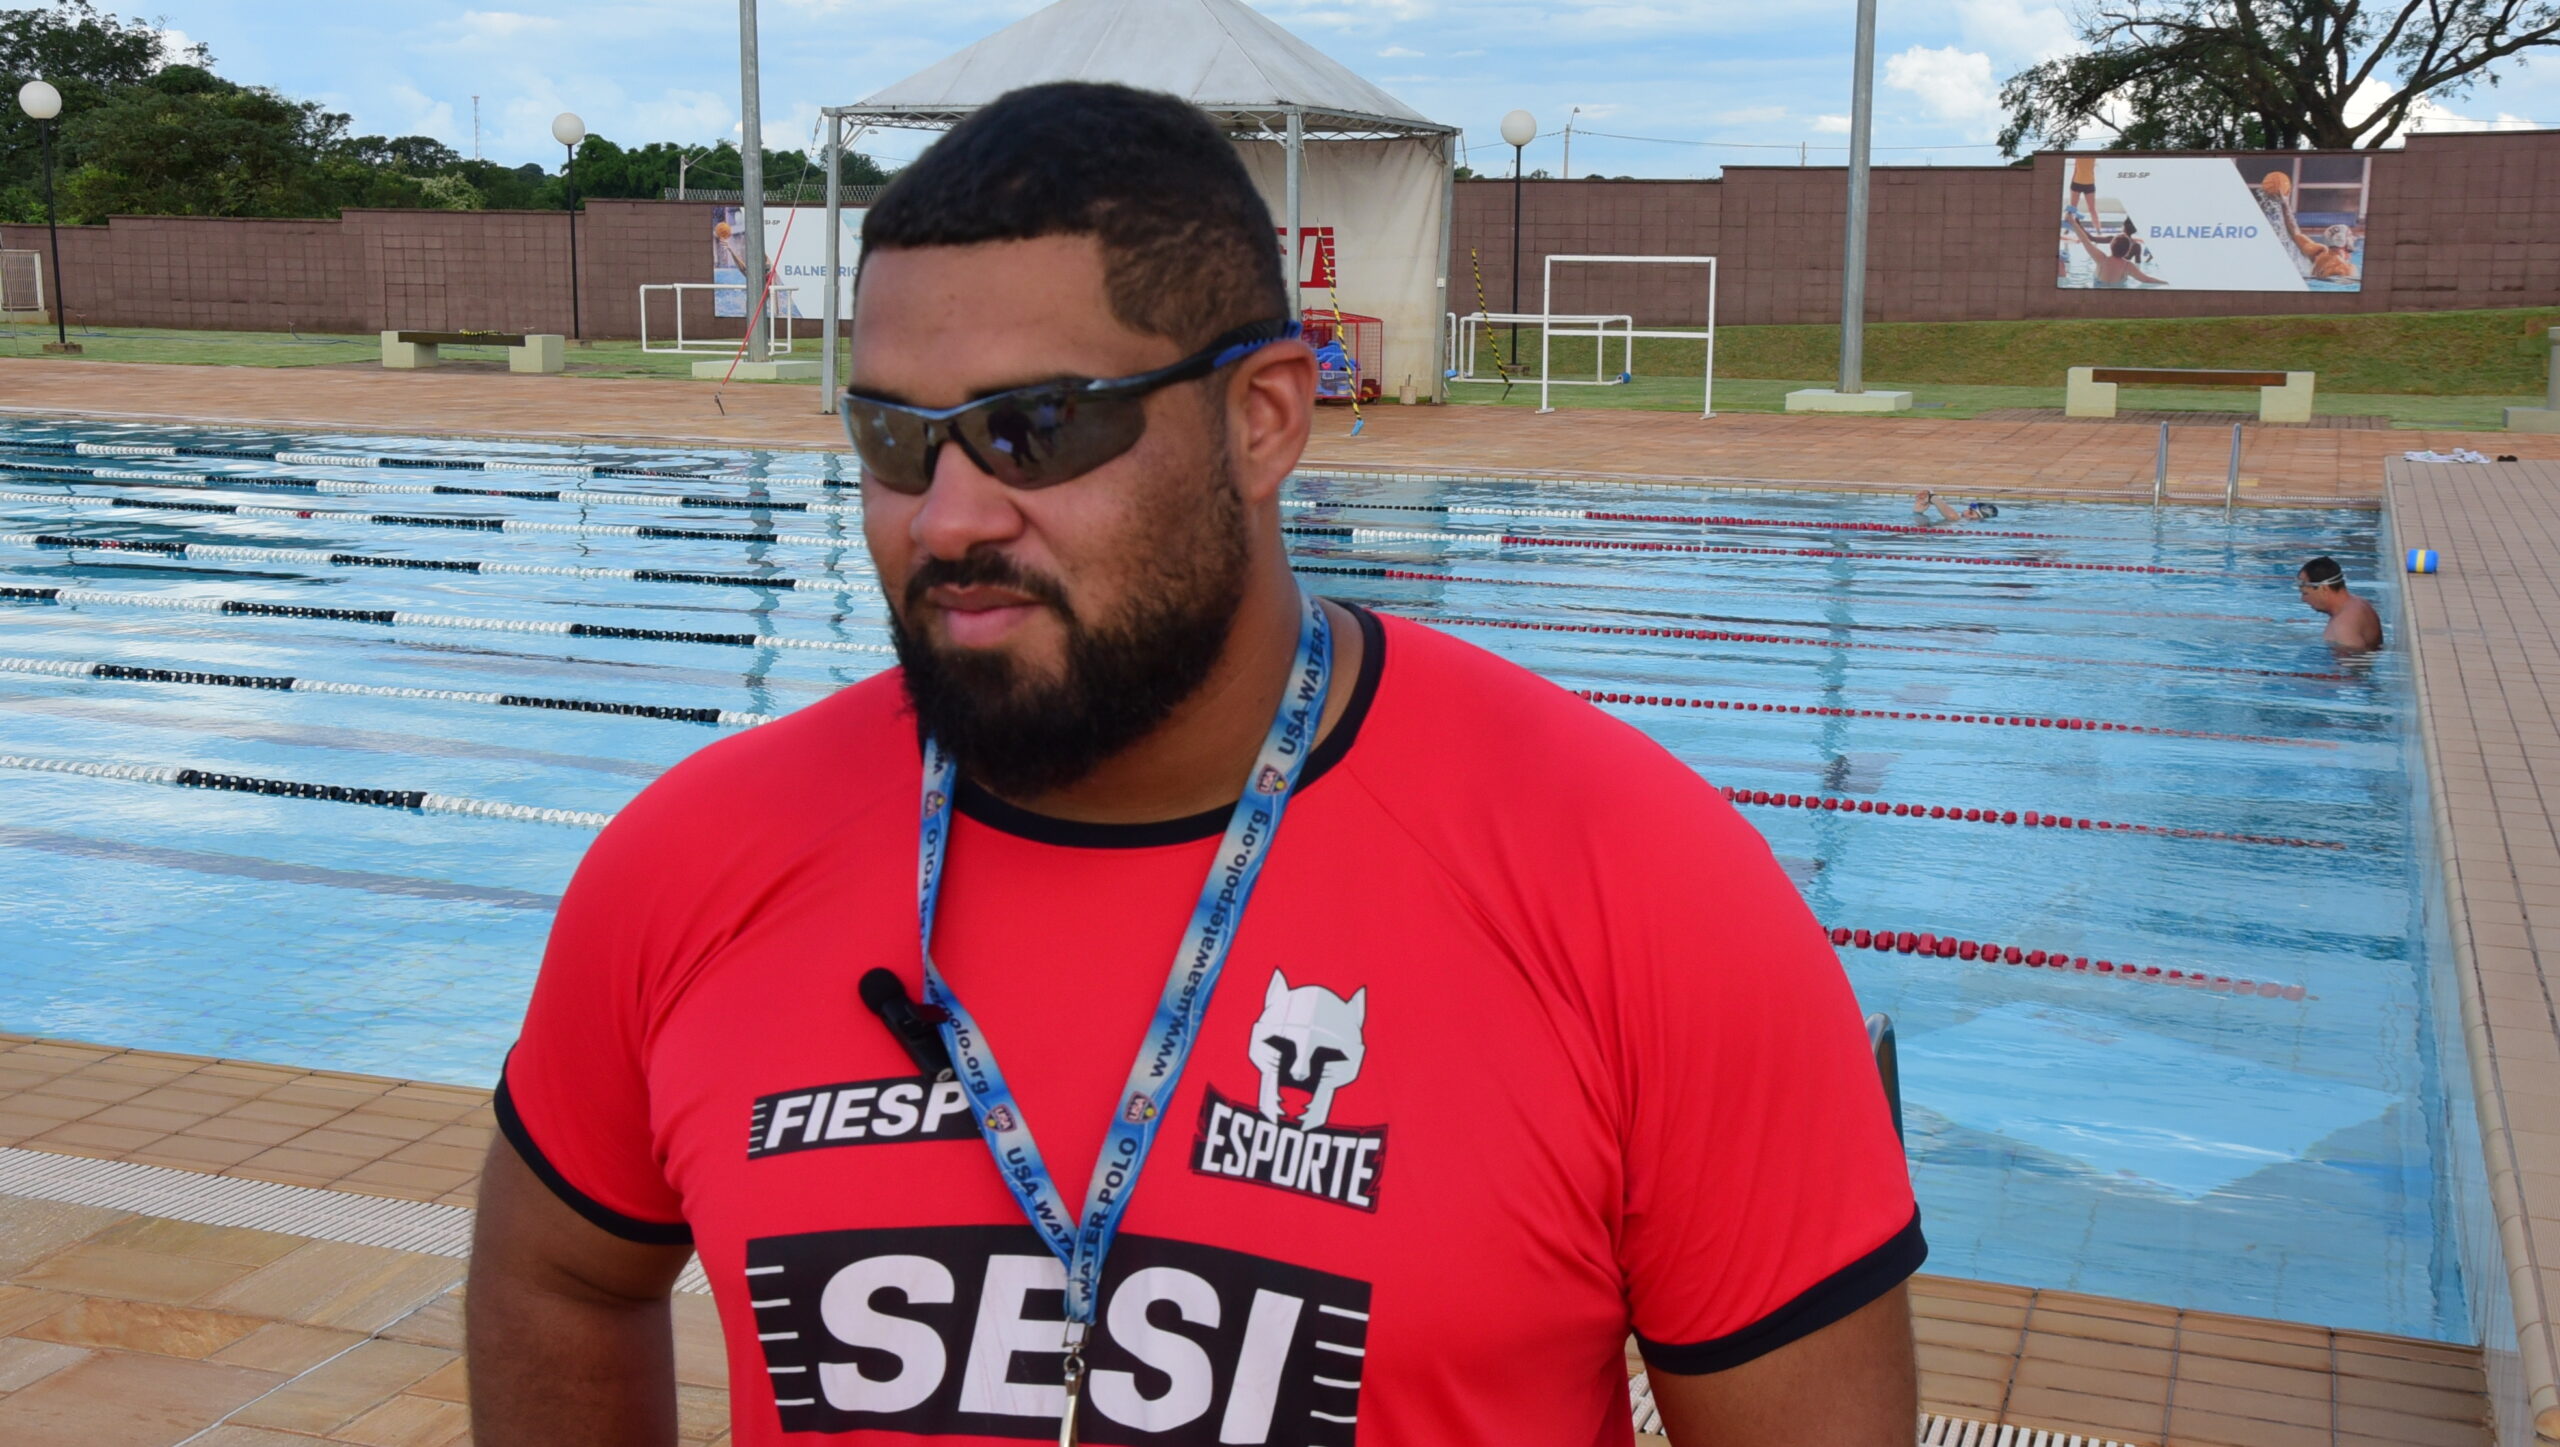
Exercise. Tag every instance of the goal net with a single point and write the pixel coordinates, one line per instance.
(21, 282)
(1548, 331)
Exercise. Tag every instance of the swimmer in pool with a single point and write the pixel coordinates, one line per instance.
(1974, 512)
(2353, 625)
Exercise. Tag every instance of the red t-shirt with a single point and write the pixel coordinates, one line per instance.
(1525, 1042)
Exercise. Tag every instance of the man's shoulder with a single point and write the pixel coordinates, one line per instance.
(1463, 730)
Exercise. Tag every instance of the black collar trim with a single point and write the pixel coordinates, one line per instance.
(1013, 819)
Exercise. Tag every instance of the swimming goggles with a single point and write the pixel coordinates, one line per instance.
(1035, 436)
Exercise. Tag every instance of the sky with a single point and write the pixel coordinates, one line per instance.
(1662, 87)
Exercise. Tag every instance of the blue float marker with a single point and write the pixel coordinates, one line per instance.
(2422, 560)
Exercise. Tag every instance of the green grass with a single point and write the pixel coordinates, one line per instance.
(2421, 369)
(1751, 394)
(312, 349)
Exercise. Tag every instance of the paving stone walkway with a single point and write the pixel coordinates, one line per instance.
(1988, 457)
(126, 1330)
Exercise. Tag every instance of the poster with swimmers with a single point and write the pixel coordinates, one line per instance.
(2259, 221)
(797, 237)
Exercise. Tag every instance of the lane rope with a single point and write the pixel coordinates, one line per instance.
(227, 553)
(1720, 635)
(2030, 818)
(401, 618)
(415, 800)
(462, 524)
(303, 458)
(1948, 947)
(288, 683)
(206, 482)
(1523, 540)
(2021, 721)
(1719, 520)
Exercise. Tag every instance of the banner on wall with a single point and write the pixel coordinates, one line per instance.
(2248, 222)
(1373, 216)
(802, 274)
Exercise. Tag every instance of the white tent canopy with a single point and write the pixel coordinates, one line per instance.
(1379, 177)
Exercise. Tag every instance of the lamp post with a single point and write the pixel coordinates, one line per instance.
(42, 103)
(568, 130)
(1518, 129)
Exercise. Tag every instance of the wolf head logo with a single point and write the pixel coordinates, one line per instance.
(1307, 1041)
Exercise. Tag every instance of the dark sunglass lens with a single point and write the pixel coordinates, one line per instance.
(1039, 441)
(891, 443)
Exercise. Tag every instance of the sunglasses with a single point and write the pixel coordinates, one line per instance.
(1035, 436)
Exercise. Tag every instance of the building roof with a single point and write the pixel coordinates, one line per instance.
(1221, 55)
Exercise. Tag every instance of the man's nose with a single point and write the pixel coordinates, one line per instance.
(964, 507)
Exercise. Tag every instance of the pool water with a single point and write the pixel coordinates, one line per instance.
(2262, 1148)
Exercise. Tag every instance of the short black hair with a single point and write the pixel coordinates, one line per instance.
(2324, 571)
(1188, 248)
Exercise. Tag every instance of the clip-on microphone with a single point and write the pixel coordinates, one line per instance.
(886, 996)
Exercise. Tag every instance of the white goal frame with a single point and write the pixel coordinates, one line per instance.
(780, 303)
(19, 270)
(1547, 309)
(1465, 333)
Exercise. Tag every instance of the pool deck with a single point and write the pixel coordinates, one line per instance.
(120, 1329)
(2485, 634)
(1887, 454)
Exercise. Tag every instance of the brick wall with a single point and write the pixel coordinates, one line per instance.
(2456, 221)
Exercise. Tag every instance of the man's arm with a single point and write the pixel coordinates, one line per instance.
(1855, 1383)
(566, 1326)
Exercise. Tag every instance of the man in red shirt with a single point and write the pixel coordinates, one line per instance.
(1525, 1041)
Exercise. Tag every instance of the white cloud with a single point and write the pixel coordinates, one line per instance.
(175, 45)
(1952, 85)
(1831, 125)
(2425, 116)
(1398, 52)
(499, 27)
(2017, 30)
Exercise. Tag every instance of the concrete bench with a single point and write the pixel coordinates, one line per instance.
(2282, 396)
(526, 351)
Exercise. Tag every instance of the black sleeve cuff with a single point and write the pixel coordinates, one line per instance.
(1826, 1301)
(629, 1228)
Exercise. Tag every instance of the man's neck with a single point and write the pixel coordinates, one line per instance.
(1198, 758)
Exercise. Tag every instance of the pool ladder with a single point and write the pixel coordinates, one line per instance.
(1888, 1063)
(2230, 479)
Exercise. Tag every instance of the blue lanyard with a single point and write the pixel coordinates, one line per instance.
(1081, 1242)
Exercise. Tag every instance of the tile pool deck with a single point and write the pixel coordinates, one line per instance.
(120, 1329)
(117, 1328)
(2485, 632)
(1999, 459)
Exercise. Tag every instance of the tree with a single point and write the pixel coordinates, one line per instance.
(85, 53)
(2267, 74)
(186, 142)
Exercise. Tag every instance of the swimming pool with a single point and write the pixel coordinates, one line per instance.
(2215, 1091)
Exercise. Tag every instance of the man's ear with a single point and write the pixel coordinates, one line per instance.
(1270, 410)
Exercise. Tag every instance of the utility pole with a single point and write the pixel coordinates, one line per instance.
(475, 128)
(751, 160)
(1853, 278)
(1568, 143)
(1852, 394)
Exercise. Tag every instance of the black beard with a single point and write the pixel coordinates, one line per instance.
(1021, 736)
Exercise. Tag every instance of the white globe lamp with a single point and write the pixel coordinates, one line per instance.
(1518, 129)
(39, 100)
(567, 129)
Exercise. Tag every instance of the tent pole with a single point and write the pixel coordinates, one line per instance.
(833, 293)
(1297, 146)
(1448, 224)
